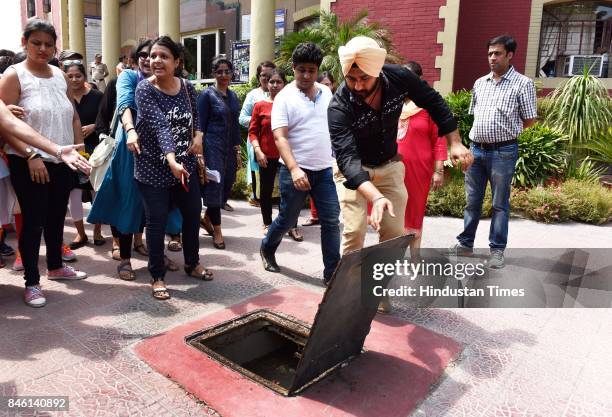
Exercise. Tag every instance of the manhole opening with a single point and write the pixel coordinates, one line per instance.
(264, 346)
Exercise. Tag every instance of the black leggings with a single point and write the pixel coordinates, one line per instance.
(214, 214)
(43, 207)
(266, 187)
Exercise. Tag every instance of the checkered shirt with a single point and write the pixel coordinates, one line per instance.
(499, 108)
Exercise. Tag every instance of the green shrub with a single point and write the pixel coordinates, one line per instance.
(573, 200)
(581, 109)
(587, 202)
(241, 190)
(541, 156)
(585, 170)
(539, 203)
(450, 200)
(459, 103)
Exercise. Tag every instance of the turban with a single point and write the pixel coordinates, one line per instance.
(364, 52)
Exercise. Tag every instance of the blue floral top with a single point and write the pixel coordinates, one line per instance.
(164, 125)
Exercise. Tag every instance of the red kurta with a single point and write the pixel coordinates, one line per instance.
(261, 129)
(420, 146)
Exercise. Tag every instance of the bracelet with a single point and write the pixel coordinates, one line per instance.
(58, 153)
(379, 198)
(33, 156)
(439, 171)
(128, 131)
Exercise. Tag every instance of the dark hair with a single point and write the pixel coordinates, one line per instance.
(280, 73)
(54, 61)
(80, 67)
(7, 52)
(19, 57)
(35, 24)
(307, 53)
(324, 75)
(506, 40)
(181, 66)
(221, 59)
(414, 67)
(5, 62)
(142, 45)
(167, 42)
(265, 64)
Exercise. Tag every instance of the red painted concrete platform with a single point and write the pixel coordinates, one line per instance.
(389, 380)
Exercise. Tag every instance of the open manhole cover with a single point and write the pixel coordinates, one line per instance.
(285, 354)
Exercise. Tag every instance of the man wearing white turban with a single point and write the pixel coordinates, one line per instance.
(363, 118)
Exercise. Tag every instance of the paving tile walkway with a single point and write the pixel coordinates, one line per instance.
(515, 362)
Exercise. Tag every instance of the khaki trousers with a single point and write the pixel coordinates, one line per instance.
(389, 179)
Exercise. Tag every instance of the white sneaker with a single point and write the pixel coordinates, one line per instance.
(34, 296)
(66, 272)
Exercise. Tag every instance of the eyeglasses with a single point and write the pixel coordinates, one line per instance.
(143, 54)
(72, 62)
(223, 72)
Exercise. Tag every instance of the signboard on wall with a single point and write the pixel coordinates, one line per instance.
(93, 42)
(279, 24)
(241, 56)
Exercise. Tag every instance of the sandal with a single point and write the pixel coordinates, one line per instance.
(125, 271)
(227, 207)
(295, 234)
(100, 241)
(207, 225)
(115, 253)
(160, 293)
(311, 222)
(141, 249)
(199, 272)
(170, 264)
(175, 246)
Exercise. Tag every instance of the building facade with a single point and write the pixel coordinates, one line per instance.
(556, 38)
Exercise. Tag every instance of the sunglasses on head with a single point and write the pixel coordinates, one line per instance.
(72, 62)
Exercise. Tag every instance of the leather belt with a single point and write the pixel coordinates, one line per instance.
(395, 158)
(493, 146)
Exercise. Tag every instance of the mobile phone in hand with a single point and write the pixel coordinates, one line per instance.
(184, 183)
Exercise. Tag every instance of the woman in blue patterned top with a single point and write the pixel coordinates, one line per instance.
(166, 167)
(219, 108)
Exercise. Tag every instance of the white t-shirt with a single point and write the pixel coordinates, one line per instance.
(307, 125)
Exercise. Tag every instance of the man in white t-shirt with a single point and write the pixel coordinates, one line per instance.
(299, 124)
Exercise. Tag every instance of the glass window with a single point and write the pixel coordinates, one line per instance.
(575, 35)
(31, 8)
(200, 49)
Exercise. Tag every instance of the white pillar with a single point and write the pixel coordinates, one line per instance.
(170, 19)
(262, 33)
(76, 26)
(111, 35)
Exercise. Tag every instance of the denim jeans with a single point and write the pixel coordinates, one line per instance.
(157, 203)
(496, 166)
(323, 191)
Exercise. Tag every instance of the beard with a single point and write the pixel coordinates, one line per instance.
(364, 94)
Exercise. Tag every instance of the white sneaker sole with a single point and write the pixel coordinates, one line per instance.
(71, 278)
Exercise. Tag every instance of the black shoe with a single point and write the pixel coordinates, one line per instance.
(269, 261)
(6, 250)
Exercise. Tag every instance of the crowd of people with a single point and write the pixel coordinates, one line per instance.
(368, 149)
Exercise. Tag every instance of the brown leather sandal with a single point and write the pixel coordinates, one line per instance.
(199, 272)
(125, 271)
(160, 293)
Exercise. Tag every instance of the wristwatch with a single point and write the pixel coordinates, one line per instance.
(28, 151)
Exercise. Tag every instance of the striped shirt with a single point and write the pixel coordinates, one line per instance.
(500, 107)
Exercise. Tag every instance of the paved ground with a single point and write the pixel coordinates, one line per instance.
(515, 362)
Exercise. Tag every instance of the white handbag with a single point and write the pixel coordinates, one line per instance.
(100, 158)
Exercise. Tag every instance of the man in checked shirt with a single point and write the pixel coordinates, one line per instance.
(503, 104)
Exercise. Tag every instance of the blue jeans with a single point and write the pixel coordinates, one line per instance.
(323, 191)
(496, 166)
